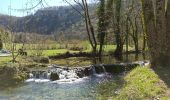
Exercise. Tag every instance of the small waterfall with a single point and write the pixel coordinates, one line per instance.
(104, 70)
(39, 74)
(93, 70)
(53, 74)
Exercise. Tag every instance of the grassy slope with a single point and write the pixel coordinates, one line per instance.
(140, 84)
(143, 84)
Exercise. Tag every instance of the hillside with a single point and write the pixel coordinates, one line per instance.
(51, 20)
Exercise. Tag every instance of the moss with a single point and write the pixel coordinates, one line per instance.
(142, 84)
(11, 74)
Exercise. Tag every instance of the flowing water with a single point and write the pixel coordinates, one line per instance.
(81, 89)
(68, 87)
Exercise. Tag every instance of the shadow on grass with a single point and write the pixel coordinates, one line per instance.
(164, 74)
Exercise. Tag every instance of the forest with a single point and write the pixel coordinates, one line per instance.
(85, 49)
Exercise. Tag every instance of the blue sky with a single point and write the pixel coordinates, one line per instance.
(23, 4)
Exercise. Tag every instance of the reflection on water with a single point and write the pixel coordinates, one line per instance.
(84, 61)
(125, 58)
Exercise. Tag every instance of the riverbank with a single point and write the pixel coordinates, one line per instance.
(142, 83)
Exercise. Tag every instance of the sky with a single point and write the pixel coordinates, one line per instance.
(23, 4)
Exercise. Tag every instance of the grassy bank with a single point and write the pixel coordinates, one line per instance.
(140, 84)
(53, 49)
(4, 60)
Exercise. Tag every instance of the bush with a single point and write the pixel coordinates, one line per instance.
(11, 74)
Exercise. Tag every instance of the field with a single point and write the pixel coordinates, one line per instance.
(46, 50)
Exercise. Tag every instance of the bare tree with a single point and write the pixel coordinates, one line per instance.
(89, 26)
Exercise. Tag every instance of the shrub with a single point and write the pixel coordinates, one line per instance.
(11, 74)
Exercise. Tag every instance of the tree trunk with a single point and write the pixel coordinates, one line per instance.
(168, 34)
(144, 33)
(158, 30)
(1, 44)
(119, 46)
(119, 43)
(127, 34)
(101, 25)
(89, 27)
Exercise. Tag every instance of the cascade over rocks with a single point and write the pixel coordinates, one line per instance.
(65, 74)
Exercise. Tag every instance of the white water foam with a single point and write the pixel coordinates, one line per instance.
(37, 80)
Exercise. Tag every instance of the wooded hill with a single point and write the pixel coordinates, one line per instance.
(52, 20)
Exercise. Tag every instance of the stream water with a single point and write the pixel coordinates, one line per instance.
(81, 89)
(41, 88)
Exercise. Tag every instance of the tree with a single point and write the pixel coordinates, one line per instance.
(157, 22)
(1, 44)
(119, 42)
(101, 25)
(88, 24)
(1, 35)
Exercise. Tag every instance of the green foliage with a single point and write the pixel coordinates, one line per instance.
(11, 74)
(52, 20)
(4, 60)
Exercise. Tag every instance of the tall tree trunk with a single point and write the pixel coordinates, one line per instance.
(89, 27)
(136, 40)
(144, 32)
(168, 33)
(101, 25)
(127, 34)
(1, 44)
(157, 23)
(119, 43)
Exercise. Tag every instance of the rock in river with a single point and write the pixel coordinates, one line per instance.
(54, 76)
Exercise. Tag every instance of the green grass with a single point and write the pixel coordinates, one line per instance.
(73, 62)
(142, 84)
(54, 49)
(50, 52)
(4, 60)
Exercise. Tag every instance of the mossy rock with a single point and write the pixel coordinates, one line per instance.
(11, 74)
(54, 76)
